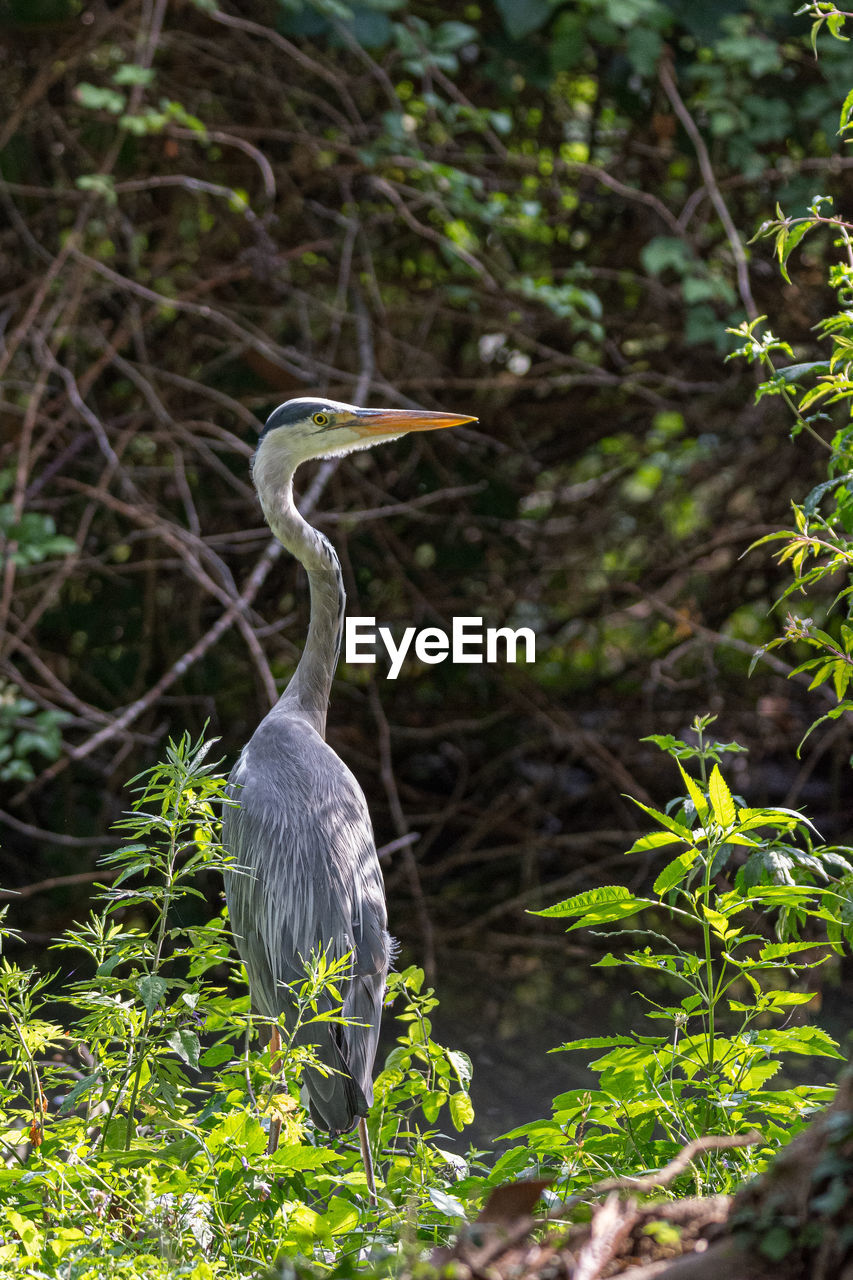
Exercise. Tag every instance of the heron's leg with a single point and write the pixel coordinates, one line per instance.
(275, 1066)
(368, 1160)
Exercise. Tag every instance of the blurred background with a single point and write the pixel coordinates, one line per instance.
(527, 210)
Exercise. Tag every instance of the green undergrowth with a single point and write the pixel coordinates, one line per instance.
(727, 947)
(136, 1096)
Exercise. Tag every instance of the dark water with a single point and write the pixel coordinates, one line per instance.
(507, 1012)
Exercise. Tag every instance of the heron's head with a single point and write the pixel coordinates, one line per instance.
(309, 428)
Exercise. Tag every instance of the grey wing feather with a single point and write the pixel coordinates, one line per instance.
(306, 877)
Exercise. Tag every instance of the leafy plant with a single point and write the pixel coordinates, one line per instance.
(24, 731)
(817, 548)
(132, 1123)
(721, 982)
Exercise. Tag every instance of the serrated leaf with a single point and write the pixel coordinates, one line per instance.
(700, 804)
(597, 906)
(298, 1155)
(721, 799)
(782, 950)
(807, 1041)
(674, 872)
(654, 840)
(594, 1042)
(340, 1215)
(665, 820)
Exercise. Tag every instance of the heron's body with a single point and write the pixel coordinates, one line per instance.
(309, 880)
(305, 875)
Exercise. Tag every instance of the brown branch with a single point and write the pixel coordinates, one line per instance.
(398, 821)
(667, 79)
(670, 1171)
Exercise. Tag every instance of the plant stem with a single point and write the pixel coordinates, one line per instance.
(709, 963)
(155, 965)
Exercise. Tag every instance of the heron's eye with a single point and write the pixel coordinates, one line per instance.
(320, 419)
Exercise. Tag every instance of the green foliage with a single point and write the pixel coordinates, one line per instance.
(25, 731)
(719, 983)
(817, 548)
(130, 1109)
(27, 537)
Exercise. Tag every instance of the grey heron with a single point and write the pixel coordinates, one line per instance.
(305, 876)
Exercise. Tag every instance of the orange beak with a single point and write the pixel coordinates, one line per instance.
(391, 422)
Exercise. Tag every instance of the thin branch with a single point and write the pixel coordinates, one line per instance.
(667, 80)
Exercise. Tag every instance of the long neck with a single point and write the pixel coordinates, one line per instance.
(311, 683)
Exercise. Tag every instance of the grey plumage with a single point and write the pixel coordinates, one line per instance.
(305, 873)
(311, 882)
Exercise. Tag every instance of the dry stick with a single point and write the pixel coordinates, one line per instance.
(175, 672)
(58, 882)
(653, 1181)
(188, 547)
(435, 237)
(731, 642)
(50, 681)
(21, 474)
(231, 140)
(386, 772)
(235, 610)
(289, 359)
(331, 77)
(367, 1160)
(607, 1231)
(670, 88)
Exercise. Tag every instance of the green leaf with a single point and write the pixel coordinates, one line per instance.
(759, 1073)
(151, 989)
(131, 73)
(700, 804)
(782, 950)
(448, 1205)
(461, 1110)
(98, 99)
(299, 1156)
(844, 118)
(674, 872)
(721, 799)
(788, 241)
(186, 1046)
(654, 840)
(462, 1065)
(80, 1088)
(665, 820)
(431, 1103)
(340, 1215)
(216, 1055)
(807, 1041)
(593, 1042)
(522, 17)
(598, 906)
(797, 372)
(241, 1132)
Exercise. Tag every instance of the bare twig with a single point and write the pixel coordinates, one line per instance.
(667, 79)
